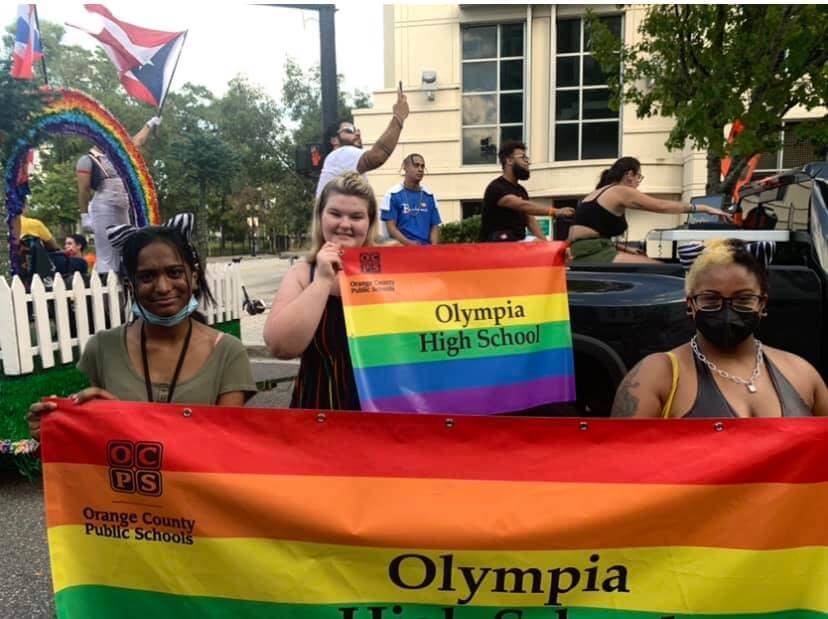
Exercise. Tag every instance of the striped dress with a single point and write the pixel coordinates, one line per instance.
(326, 376)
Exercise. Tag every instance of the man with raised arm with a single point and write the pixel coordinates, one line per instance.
(346, 141)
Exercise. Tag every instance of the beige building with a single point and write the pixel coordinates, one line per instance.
(521, 71)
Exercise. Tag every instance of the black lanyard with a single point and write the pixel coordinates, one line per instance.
(184, 348)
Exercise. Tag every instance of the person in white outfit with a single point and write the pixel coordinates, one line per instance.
(103, 199)
(346, 143)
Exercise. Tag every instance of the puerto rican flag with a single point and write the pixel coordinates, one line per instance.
(145, 58)
(27, 46)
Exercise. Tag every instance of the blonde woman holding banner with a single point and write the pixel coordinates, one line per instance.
(307, 319)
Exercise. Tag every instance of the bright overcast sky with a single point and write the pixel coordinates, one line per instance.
(228, 37)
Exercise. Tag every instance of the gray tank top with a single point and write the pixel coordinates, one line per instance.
(710, 401)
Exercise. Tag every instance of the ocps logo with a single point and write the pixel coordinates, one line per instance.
(135, 467)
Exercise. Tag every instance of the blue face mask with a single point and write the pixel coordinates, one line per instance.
(165, 321)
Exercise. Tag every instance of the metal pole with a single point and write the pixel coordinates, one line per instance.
(327, 65)
(327, 60)
(43, 56)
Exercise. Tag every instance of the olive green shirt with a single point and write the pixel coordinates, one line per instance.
(106, 363)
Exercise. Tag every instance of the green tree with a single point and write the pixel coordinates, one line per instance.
(707, 65)
(53, 200)
(19, 99)
(250, 122)
(302, 98)
(205, 164)
(211, 155)
(302, 101)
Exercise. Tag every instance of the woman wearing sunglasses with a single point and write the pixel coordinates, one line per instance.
(724, 370)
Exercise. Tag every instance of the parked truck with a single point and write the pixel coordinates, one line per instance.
(622, 312)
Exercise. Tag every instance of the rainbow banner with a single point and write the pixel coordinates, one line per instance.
(475, 329)
(160, 511)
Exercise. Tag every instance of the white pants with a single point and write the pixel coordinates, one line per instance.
(103, 216)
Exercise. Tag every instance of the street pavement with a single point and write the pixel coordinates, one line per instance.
(25, 577)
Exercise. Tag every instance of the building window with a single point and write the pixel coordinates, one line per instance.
(493, 77)
(470, 208)
(794, 153)
(585, 126)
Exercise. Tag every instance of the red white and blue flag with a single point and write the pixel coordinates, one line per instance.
(27, 46)
(145, 58)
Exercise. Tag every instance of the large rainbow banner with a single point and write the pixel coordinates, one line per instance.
(160, 511)
(475, 329)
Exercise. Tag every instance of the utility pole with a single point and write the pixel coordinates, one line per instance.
(327, 59)
(327, 66)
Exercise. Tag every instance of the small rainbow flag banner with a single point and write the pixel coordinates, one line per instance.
(476, 329)
(160, 511)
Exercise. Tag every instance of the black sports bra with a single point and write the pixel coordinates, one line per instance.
(592, 215)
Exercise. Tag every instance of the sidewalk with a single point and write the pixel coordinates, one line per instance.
(274, 377)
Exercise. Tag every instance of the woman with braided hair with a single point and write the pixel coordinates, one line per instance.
(166, 353)
(724, 370)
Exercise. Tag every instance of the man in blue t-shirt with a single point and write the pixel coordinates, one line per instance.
(409, 209)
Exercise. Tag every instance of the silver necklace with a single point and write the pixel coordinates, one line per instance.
(750, 384)
(420, 204)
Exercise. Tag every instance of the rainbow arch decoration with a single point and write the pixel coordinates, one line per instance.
(71, 112)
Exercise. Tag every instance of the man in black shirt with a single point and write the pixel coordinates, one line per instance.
(507, 211)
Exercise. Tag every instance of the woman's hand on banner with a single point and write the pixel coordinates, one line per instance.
(328, 262)
(36, 412)
(91, 393)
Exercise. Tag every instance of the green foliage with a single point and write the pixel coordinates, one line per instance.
(19, 99)
(54, 201)
(225, 158)
(301, 97)
(706, 65)
(463, 231)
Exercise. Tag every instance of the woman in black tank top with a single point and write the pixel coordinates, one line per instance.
(601, 215)
(724, 371)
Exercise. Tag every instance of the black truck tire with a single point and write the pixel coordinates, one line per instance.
(598, 372)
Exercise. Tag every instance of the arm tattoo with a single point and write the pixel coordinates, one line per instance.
(626, 404)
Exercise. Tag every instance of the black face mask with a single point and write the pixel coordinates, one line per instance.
(726, 328)
(521, 174)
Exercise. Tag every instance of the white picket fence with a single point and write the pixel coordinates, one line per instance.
(38, 323)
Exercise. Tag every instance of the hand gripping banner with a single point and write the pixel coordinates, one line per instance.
(476, 329)
(160, 511)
